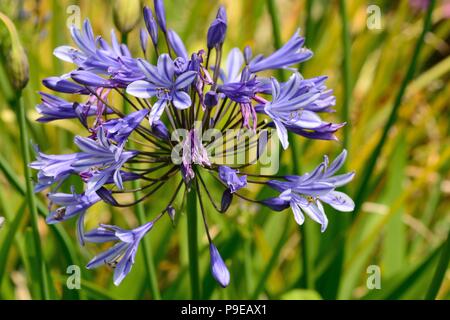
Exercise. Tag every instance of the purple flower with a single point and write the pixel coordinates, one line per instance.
(55, 108)
(97, 56)
(102, 160)
(160, 14)
(53, 168)
(305, 193)
(122, 255)
(241, 92)
(88, 78)
(218, 268)
(294, 105)
(289, 54)
(120, 129)
(161, 83)
(217, 30)
(71, 205)
(62, 85)
(143, 37)
(230, 177)
(151, 25)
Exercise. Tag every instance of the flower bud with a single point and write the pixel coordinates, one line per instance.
(218, 268)
(11, 49)
(126, 14)
(160, 130)
(143, 37)
(227, 198)
(151, 25)
(218, 29)
(171, 212)
(211, 99)
(247, 54)
(160, 14)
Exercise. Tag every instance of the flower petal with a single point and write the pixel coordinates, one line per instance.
(181, 100)
(141, 89)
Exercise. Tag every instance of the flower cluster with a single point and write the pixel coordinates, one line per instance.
(160, 140)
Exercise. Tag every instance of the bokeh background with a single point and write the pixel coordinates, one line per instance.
(402, 219)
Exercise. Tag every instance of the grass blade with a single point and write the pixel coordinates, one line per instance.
(362, 190)
(21, 117)
(440, 271)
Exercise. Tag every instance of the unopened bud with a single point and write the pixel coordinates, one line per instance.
(14, 54)
(126, 14)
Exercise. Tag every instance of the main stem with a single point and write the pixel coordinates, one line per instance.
(192, 217)
(31, 201)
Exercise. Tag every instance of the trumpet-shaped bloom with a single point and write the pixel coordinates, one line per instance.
(102, 159)
(231, 178)
(305, 193)
(289, 54)
(294, 107)
(120, 129)
(161, 83)
(71, 205)
(122, 255)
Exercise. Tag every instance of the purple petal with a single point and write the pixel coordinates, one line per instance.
(181, 100)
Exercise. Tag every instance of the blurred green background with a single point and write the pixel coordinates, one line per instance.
(401, 223)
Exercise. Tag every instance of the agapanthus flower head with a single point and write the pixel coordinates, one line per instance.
(183, 119)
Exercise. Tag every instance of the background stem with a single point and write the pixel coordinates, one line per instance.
(18, 105)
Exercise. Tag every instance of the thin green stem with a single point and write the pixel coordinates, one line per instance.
(346, 71)
(362, 191)
(273, 12)
(272, 261)
(192, 227)
(31, 201)
(440, 271)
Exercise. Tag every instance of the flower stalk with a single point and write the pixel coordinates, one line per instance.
(192, 234)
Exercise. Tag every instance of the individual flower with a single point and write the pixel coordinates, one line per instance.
(231, 179)
(71, 205)
(122, 255)
(294, 107)
(160, 82)
(289, 54)
(55, 108)
(101, 160)
(121, 128)
(306, 193)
